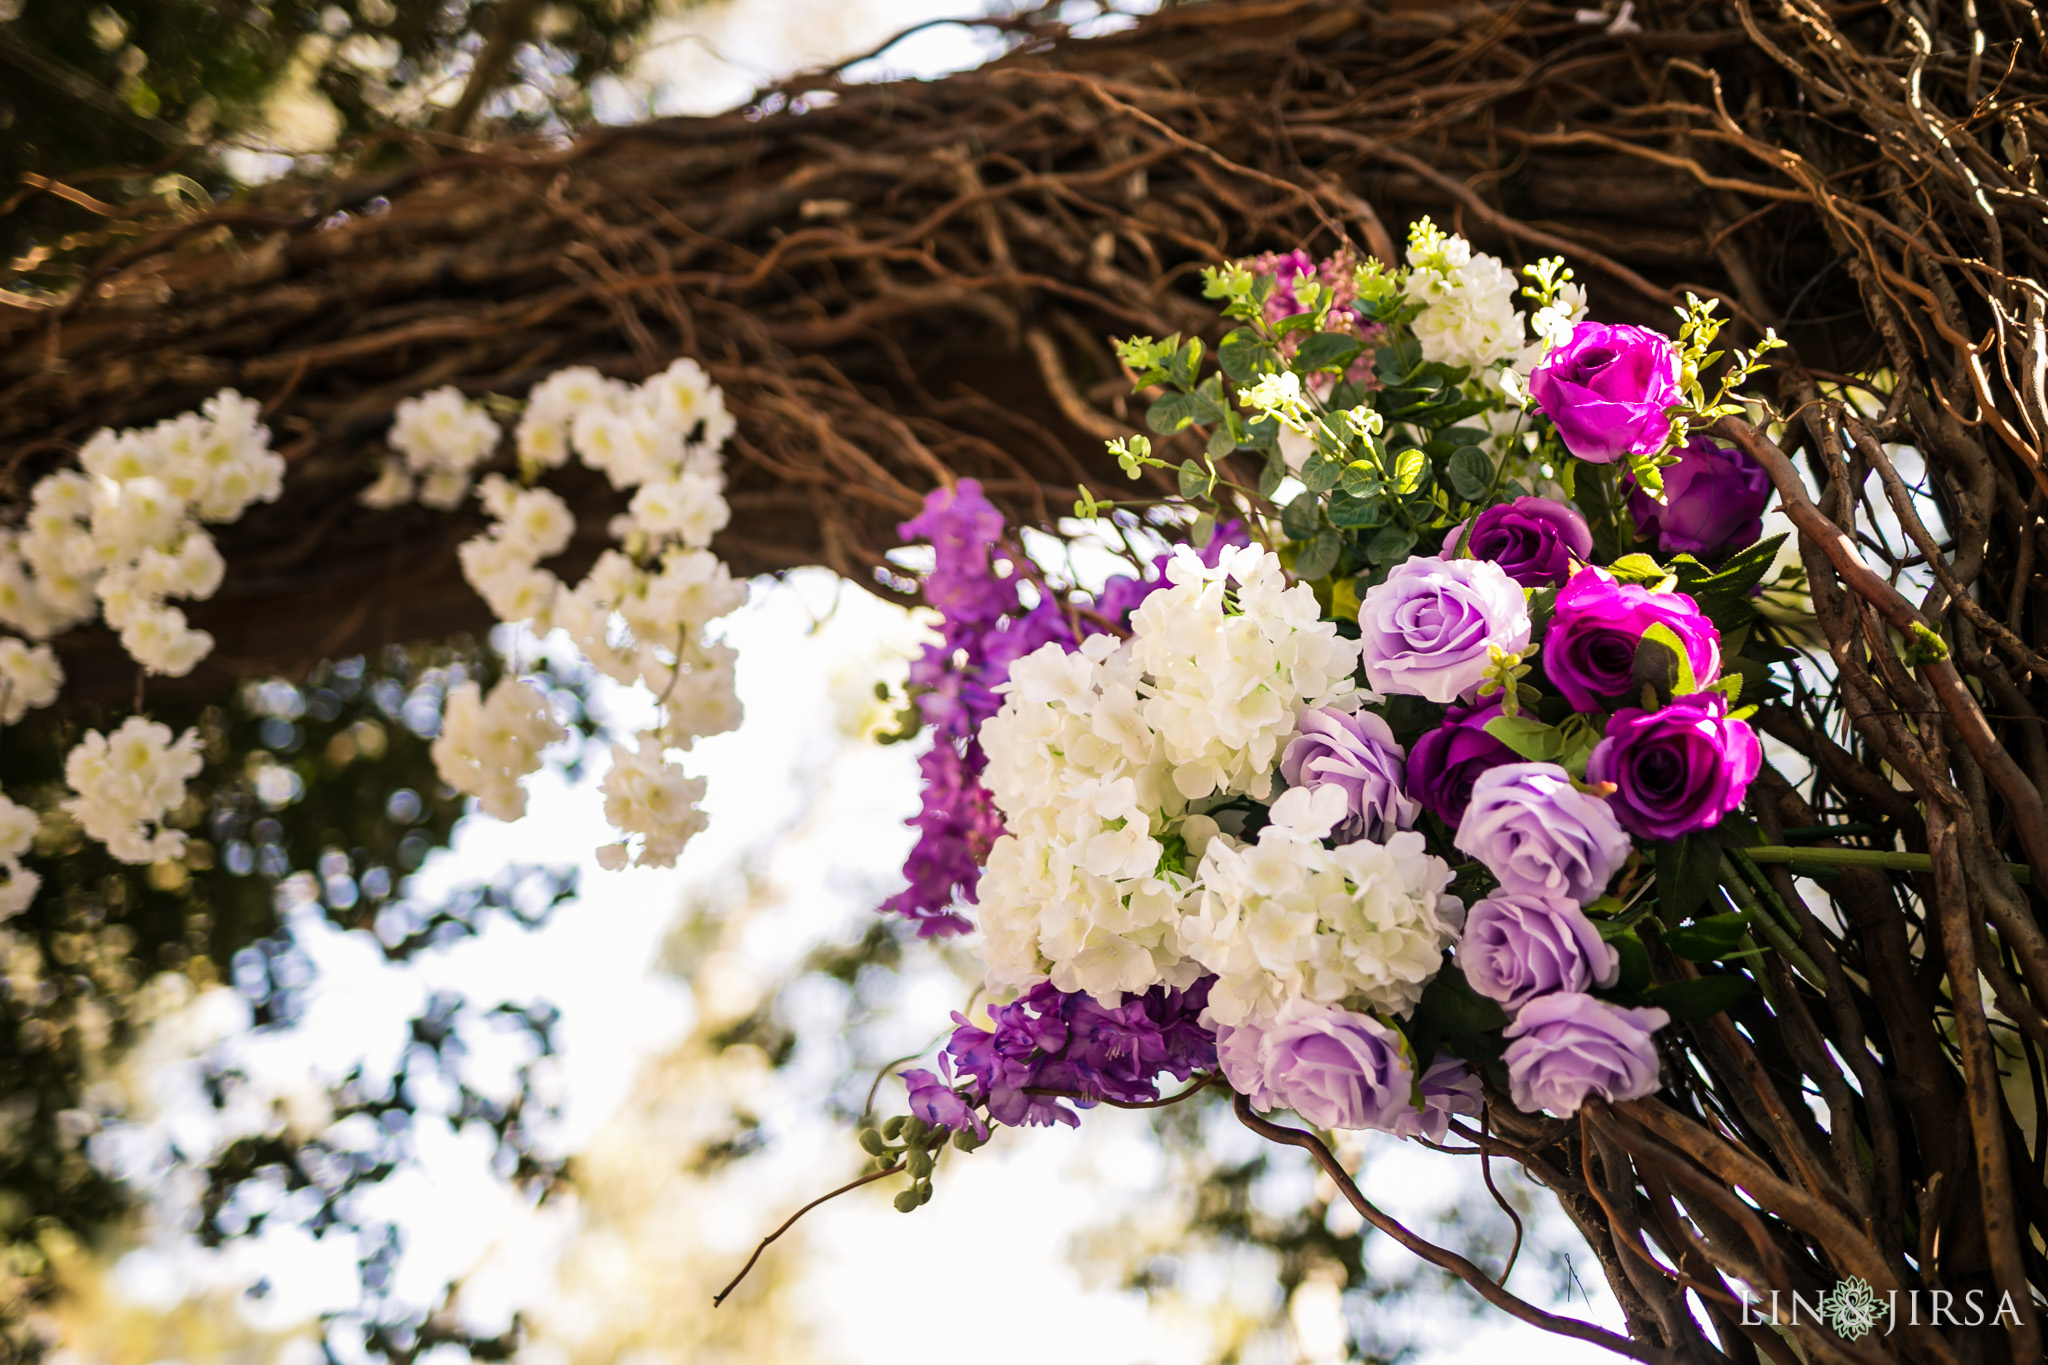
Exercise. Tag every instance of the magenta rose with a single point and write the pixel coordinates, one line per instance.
(1358, 753)
(1589, 651)
(1443, 764)
(1606, 390)
(1535, 540)
(1540, 835)
(1448, 1088)
(1429, 629)
(1677, 769)
(1335, 1068)
(1714, 500)
(1517, 948)
(1567, 1047)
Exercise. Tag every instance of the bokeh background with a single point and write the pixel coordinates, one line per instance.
(476, 1098)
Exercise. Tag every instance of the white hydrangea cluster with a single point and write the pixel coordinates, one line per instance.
(1468, 314)
(1104, 762)
(641, 613)
(441, 437)
(127, 782)
(18, 885)
(487, 744)
(124, 534)
(1284, 918)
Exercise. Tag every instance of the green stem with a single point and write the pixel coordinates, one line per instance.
(1862, 857)
(1761, 919)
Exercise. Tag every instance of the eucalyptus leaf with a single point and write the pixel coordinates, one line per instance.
(1221, 441)
(1354, 513)
(1302, 518)
(1319, 473)
(1244, 357)
(1361, 479)
(1319, 556)
(1470, 472)
(1326, 351)
(1391, 544)
(1273, 475)
(1169, 413)
(1196, 479)
(1411, 471)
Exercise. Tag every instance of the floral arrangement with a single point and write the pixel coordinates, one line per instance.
(1363, 806)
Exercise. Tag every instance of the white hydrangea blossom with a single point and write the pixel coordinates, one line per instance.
(442, 436)
(18, 885)
(487, 744)
(1283, 918)
(127, 782)
(124, 533)
(1098, 760)
(641, 613)
(1468, 317)
(30, 677)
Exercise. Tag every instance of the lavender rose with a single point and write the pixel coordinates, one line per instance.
(1358, 753)
(1567, 1047)
(1714, 500)
(1517, 948)
(1443, 764)
(1540, 835)
(1606, 389)
(1335, 1068)
(1448, 1088)
(1534, 539)
(1677, 769)
(1589, 651)
(1428, 631)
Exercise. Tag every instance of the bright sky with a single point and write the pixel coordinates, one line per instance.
(818, 822)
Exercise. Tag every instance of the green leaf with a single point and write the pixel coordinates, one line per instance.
(1394, 363)
(1302, 518)
(1244, 357)
(1450, 1006)
(1361, 479)
(1723, 591)
(1639, 568)
(1273, 475)
(1326, 351)
(1529, 737)
(1471, 473)
(1319, 556)
(1635, 959)
(1169, 413)
(1411, 470)
(1662, 665)
(1319, 473)
(1196, 479)
(1701, 998)
(1186, 364)
(1221, 442)
(1352, 513)
(1713, 937)
(1391, 544)
(1688, 871)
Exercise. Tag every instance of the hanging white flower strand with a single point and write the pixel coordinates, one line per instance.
(639, 616)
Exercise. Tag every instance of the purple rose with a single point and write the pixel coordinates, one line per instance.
(1677, 769)
(1443, 764)
(1714, 499)
(936, 1102)
(1606, 390)
(1358, 753)
(1335, 1068)
(1448, 1088)
(1429, 630)
(1589, 651)
(1517, 948)
(1534, 539)
(1567, 1047)
(1540, 835)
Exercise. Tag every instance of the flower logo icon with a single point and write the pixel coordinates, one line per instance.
(1852, 1307)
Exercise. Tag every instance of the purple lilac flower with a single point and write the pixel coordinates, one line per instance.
(936, 1102)
(1356, 752)
(1049, 1039)
(1429, 630)
(1536, 540)
(1443, 764)
(1589, 651)
(1677, 769)
(1448, 1088)
(1540, 835)
(1517, 948)
(1566, 1047)
(1714, 500)
(1606, 390)
(1334, 1067)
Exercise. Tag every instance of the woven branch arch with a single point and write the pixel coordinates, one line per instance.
(902, 284)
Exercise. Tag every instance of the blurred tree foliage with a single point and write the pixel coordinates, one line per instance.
(132, 99)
